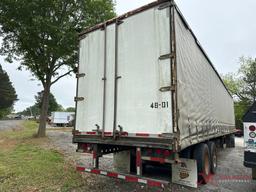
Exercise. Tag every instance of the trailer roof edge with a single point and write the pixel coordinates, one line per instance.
(123, 16)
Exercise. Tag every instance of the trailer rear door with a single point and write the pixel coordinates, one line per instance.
(127, 76)
(141, 106)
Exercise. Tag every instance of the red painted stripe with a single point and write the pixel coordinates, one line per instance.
(131, 178)
(154, 183)
(95, 171)
(124, 134)
(80, 168)
(128, 178)
(111, 174)
(91, 133)
(161, 160)
(94, 155)
(158, 151)
(108, 133)
(167, 153)
(138, 158)
(142, 134)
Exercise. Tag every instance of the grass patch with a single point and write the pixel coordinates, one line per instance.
(27, 166)
(62, 129)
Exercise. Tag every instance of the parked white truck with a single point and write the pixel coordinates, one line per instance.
(60, 118)
(145, 86)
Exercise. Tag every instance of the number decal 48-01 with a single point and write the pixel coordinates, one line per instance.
(157, 105)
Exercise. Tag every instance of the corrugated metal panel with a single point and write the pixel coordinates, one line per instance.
(205, 107)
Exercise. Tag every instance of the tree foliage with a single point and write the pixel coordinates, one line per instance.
(31, 111)
(7, 94)
(242, 85)
(53, 105)
(34, 110)
(70, 109)
(43, 35)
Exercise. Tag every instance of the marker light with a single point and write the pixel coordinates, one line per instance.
(252, 128)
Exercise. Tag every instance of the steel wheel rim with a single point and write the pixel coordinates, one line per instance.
(214, 159)
(206, 163)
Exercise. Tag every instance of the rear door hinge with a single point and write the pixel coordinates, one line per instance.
(79, 99)
(78, 75)
(167, 88)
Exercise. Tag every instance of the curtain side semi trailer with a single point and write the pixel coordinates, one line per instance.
(146, 86)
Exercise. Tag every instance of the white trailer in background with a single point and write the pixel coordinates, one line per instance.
(147, 88)
(61, 118)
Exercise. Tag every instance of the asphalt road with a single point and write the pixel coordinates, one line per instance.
(10, 124)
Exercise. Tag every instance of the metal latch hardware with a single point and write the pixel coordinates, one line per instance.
(79, 99)
(166, 56)
(167, 88)
(78, 75)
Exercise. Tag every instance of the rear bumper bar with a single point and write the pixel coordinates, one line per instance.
(126, 177)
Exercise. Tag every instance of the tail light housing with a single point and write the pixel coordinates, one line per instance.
(252, 128)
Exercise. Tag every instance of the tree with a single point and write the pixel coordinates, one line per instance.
(42, 35)
(242, 86)
(70, 109)
(35, 109)
(53, 105)
(7, 94)
(30, 111)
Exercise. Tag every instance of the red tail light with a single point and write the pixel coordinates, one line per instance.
(252, 128)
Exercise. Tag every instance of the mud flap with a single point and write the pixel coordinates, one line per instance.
(185, 173)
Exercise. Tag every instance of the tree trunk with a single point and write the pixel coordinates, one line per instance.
(44, 109)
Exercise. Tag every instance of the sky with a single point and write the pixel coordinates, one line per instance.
(226, 30)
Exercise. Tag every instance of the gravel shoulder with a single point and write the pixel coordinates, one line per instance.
(231, 175)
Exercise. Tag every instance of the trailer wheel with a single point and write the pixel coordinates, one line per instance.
(202, 155)
(254, 173)
(186, 153)
(231, 141)
(213, 156)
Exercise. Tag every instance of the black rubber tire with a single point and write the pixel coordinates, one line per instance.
(186, 153)
(200, 154)
(254, 173)
(231, 141)
(213, 156)
(133, 162)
